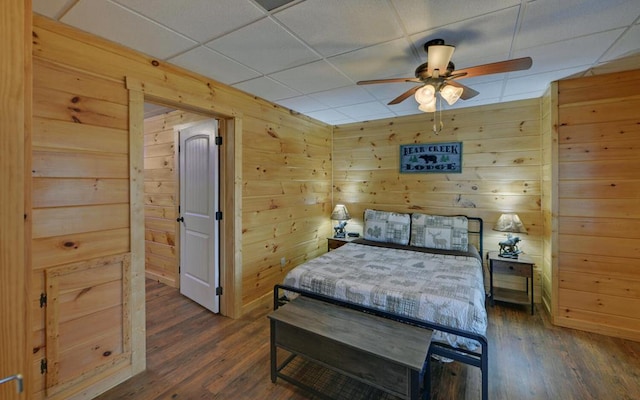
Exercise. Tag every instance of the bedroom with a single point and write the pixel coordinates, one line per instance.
(301, 228)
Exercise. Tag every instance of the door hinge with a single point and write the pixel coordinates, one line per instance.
(218, 140)
(43, 299)
(43, 366)
(219, 291)
(178, 148)
(218, 215)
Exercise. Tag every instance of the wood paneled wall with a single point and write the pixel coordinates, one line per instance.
(501, 170)
(15, 127)
(598, 216)
(80, 197)
(88, 193)
(162, 196)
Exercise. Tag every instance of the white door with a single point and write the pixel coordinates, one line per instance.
(199, 217)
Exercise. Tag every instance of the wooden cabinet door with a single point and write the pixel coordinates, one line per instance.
(86, 321)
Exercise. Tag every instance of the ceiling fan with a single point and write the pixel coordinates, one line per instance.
(438, 75)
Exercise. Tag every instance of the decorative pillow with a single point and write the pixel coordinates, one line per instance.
(439, 232)
(389, 227)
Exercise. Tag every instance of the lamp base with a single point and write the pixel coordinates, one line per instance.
(509, 255)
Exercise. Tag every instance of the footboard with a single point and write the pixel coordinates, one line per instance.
(477, 359)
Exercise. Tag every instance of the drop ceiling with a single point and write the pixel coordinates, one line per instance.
(307, 55)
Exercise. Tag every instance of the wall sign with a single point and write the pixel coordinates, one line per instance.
(431, 157)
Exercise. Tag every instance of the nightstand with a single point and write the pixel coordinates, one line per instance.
(334, 243)
(521, 266)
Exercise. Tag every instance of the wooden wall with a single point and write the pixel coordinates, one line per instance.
(15, 122)
(501, 170)
(162, 196)
(80, 198)
(549, 146)
(88, 195)
(598, 216)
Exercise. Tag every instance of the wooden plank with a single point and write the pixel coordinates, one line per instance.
(58, 250)
(604, 131)
(603, 284)
(600, 169)
(15, 102)
(599, 189)
(60, 192)
(600, 303)
(598, 245)
(52, 134)
(60, 221)
(71, 107)
(609, 110)
(79, 165)
(51, 76)
(599, 208)
(597, 226)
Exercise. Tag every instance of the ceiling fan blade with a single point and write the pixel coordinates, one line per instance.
(404, 95)
(392, 80)
(467, 92)
(438, 57)
(517, 64)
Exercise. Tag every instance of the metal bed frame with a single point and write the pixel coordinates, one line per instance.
(477, 359)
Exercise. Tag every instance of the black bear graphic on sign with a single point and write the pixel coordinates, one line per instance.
(428, 158)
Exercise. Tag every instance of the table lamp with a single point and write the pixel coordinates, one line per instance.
(509, 223)
(340, 214)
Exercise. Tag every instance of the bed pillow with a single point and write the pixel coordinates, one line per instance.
(388, 227)
(439, 232)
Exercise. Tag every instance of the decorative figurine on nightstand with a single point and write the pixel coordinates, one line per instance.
(509, 223)
(340, 214)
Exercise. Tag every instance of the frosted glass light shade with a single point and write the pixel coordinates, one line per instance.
(428, 107)
(425, 94)
(451, 94)
(438, 58)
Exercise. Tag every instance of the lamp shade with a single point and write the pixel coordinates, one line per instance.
(340, 213)
(451, 93)
(425, 94)
(509, 223)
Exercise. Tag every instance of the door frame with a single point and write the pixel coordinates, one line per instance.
(230, 126)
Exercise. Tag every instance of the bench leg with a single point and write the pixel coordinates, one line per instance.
(274, 353)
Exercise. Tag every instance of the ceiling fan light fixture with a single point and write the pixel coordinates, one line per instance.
(439, 57)
(426, 94)
(451, 94)
(428, 107)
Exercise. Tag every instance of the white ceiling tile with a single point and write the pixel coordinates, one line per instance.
(584, 50)
(627, 45)
(548, 21)
(313, 77)
(267, 89)
(213, 65)
(538, 82)
(113, 22)
(343, 96)
(419, 15)
(265, 47)
(481, 40)
(50, 8)
(366, 110)
(328, 116)
(303, 104)
(337, 26)
(379, 61)
(201, 20)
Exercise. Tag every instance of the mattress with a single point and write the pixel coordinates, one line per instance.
(447, 289)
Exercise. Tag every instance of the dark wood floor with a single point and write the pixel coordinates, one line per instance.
(193, 354)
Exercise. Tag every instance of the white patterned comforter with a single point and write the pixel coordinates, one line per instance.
(439, 288)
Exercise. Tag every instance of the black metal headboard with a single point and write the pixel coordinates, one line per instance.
(476, 229)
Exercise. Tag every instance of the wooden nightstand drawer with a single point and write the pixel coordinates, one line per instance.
(511, 268)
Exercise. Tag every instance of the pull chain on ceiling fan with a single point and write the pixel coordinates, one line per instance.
(437, 77)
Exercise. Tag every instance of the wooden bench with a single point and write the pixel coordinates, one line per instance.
(383, 353)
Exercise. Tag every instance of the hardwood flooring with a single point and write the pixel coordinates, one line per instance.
(193, 354)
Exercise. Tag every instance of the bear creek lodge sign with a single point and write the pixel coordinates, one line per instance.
(431, 157)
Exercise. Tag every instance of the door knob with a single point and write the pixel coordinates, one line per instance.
(180, 219)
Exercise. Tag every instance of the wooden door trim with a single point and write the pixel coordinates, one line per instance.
(231, 186)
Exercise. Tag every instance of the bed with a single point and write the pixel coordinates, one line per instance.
(420, 269)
